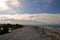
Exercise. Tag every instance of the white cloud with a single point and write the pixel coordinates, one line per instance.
(3, 5)
(44, 18)
(15, 2)
(7, 4)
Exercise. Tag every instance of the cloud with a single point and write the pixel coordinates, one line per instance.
(3, 5)
(25, 22)
(14, 2)
(42, 18)
(9, 4)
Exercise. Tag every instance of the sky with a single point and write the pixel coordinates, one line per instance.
(30, 11)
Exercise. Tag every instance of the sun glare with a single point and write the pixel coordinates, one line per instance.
(3, 5)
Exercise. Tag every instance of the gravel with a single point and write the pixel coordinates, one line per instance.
(29, 33)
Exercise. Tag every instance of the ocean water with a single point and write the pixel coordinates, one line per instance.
(50, 25)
